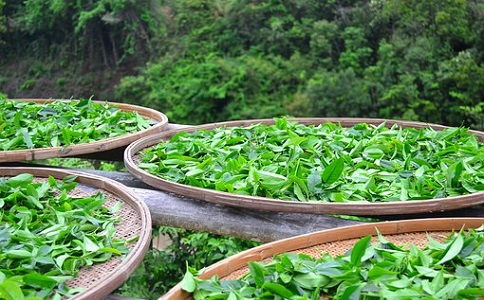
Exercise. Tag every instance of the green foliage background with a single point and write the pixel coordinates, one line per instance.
(204, 61)
(162, 269)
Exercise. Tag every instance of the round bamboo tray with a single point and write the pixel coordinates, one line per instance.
(101, 279)
(131, 158)
(334, 241)
(92, 147)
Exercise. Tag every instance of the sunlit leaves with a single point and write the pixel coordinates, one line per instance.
(46, 236)
(380, 270)
(333, 171)
(27, 125)
(291, 161)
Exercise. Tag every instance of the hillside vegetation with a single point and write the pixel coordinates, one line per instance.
(211, 60)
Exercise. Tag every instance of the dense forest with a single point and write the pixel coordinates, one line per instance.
(210, 60)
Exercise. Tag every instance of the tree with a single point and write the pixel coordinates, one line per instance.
(102, 31)
(356, 54)
(461, 81)
(3, 24)
(324, 43)
(334, 94)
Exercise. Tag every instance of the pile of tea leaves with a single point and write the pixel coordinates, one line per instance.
(327, 162)
(29, 125)
(453, 269)
(47, 235)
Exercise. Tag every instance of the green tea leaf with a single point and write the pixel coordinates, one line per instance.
(359, 249)
(314, 180)
(471, 292)
(116, 207)
(278, 289)
(352, 292)
(452, 250)
(40, 281)
(26, 137)
(90, 245)
(21, 179)
(451, 288)
(188, 282)
(257, 272)
(311, 280)
(333, 171)
(10, 290)
(18, 254)
(299, 194)
(453, 174)
(377, 272)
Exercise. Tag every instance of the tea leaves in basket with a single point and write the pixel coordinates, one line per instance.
(329, 163)
(452, 269)
(29, 125)
(47, 235)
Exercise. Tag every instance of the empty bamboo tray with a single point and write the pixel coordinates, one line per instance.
(131, 159)
(85, 148)
(335, 242)
(101, 279)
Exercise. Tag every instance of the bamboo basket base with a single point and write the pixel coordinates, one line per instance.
(361, 208)
(100, 279)
(129, 227)
(334, 242)
(336, 248)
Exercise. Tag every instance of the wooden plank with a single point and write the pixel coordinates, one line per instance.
(172, 210)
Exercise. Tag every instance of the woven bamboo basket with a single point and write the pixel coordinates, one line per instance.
(335, 242)
(92, 147)
(101, 279)
(131, 158)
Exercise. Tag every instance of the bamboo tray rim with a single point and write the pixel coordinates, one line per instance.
(344, 121)
(238, 261)
(120, 273)
(262, 203)
(94, 146)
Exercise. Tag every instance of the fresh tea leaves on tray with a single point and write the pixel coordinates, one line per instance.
(47, 235)
(29, 125)
(453, 269)
(330, 163)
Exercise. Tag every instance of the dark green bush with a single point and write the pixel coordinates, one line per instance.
(163, 269)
